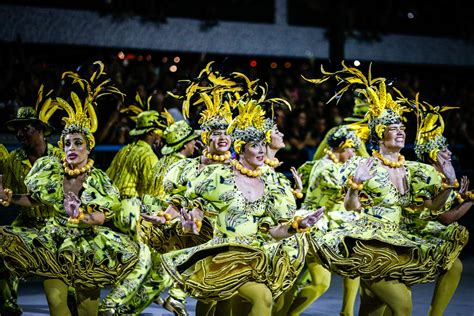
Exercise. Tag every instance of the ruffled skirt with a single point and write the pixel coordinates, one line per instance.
(376, 250)
(215, 270)
(84, 257)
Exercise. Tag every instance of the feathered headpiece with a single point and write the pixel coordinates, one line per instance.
(383, 109)
(251, 123)
(146, 120)
(219, 94)
(270, 103)
(81, 116)
(430, 127)
(248, 124)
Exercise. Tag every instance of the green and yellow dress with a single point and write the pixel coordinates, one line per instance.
(165, 238)
(16, 167)
(425, 225)
(305, 170)
(324, 189)
(160, 170)
(174, 185)
(79, 254)
(241, 250)
(374, 246)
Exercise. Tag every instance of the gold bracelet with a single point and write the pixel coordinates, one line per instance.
(354, 185)
(166, 216)
(447, 186)
(469, 195)
(295, 224)
(79, 218)
(198, 223)
(459, 198)
(9, 194)
(297, 193)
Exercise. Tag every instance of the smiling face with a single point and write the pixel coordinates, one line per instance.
(445, 154)
(443, 157)
(394, 137)
(276, 139)
(219, 142)
(75, 147)
(253, 155)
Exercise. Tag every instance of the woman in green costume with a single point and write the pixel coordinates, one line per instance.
(215, 118)
(74, 248)
(387, 259)
(324, 189)
(255, 252)
(439, 226)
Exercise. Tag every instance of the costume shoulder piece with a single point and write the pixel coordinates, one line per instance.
(45, 180)
(425, 180)
(100, 192)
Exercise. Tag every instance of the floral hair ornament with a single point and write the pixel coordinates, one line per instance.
(430, 127)
(81, 115)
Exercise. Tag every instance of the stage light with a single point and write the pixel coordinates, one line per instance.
(287, 64)
(121, 55)
(410, 15)
(177, 59)
(273, 65)
(253, 63)
(356, 63)
(164, 60)
(148, 57)
(140, 58)
(173, 68)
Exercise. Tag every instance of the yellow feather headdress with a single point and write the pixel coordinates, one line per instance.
(218, 94)
(81, 115)
(430, 128)
(248, 124)
(383, 110)
(217, 91)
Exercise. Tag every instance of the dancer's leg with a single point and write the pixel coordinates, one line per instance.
(320, 282)
(446, 285)
(395, 294)
(259, 297)
(349, 295)
(56, 293)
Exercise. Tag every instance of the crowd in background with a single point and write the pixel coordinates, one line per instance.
(25, 68)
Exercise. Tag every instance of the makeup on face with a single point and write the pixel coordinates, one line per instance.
(75, 147)
(219, 142)
(254, 154)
